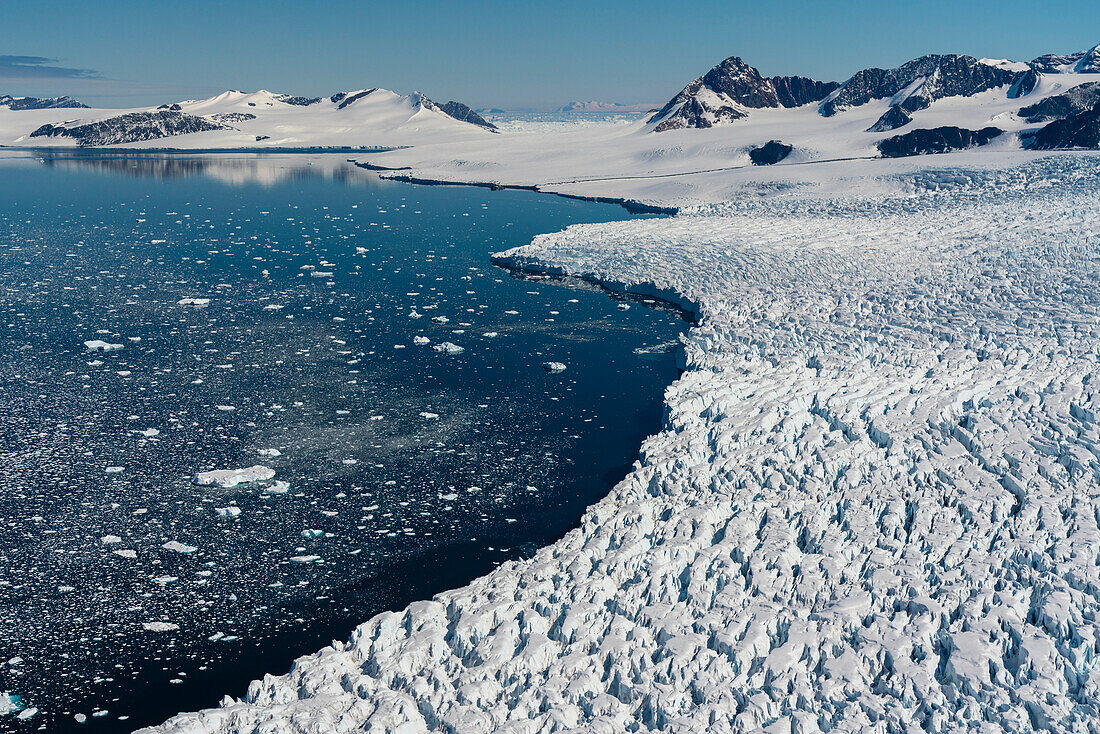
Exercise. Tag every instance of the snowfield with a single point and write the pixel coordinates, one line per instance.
(873, 506)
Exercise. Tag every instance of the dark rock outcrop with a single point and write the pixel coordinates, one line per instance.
(173, 107)
(344, 99)
(1079, 99)
(39, 103)
(936, 140)
(1082, 62)
(1024, 85)
(130, 128)
(228, 117)
(891, 119)
(928, 79)
(724, 93)
(461, 112)
(795, 91)
(1081, 130)
(769, 153)
(297, 101)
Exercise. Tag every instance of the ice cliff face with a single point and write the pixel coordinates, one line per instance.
(874, 506)
(723, 94)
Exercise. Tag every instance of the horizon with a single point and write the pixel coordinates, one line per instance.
(119, 56)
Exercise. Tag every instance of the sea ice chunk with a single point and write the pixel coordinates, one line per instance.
(233, 477)
(98, 345)
(178, 547)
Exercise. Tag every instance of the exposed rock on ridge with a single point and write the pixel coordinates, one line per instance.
(724, 93)
(917, 84)
(39, 103)
(129, 128)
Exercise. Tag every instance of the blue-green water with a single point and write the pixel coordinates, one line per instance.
(408, 471)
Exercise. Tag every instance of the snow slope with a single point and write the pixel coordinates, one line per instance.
(691, 166)
(381, 118)
(874, 505)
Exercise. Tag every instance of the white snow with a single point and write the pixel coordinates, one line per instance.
(233, 477)
(98, 345)
(873, 506)
(160, 626)
(379, 119)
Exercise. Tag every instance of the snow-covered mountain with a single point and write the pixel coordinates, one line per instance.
(234, 119)
(1082, 62)
(729, 90)
(39, 103)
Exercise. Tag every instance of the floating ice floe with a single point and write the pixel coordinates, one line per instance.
(426, 414)
(270, 452)
(553, 366)
(126, 553)
(233, 477)
(421, 340)
(313, 533)
(193, 302)
(277, 487)
(178, 547)
(160, 626)
(98, 345)
(305, 559)
(448, 348)
(110, 539)
(231, 511)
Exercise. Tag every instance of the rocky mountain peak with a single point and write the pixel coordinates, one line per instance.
(725, 92)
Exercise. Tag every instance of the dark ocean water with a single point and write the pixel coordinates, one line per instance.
(401, 470)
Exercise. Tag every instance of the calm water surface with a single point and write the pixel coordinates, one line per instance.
(271, 312)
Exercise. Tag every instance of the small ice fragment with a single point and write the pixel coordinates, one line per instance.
(554, 366)
(178, 547)
(109, 539)
(491, 334)
(270, 452)
(448, 348)
(277, 487)
(113, 470)
(148, 432)
(233, 477)
(97, 345)
(126, 553)
(624, 306)
(426, 414)
(193, 302)
(231, 511)
(420, 340)
(414, 315)
(305, 559)
(440, 319)
(313, 533)
(160, 626)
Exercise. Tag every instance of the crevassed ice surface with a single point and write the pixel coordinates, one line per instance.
(251, 326)
(874, 505)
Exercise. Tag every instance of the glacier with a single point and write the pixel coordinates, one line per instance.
(873, 505)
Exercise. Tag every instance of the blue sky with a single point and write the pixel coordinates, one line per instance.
(494, 53)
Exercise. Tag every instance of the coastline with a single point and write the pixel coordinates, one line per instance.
(738, 523)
